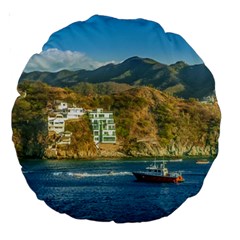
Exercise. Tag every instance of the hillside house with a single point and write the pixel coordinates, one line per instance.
(56, 123)
(63, 106)
(209, 99)
(75, 113)
(57, 118)
(103, 126)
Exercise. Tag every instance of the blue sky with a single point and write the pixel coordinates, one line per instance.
(101, 40)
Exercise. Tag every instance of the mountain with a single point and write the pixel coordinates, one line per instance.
(179, 79)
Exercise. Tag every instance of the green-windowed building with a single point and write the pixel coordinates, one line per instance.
(103, 126)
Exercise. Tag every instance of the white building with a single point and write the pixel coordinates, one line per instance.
(56, 123)
(75, 113)
(103, 126)
(63, 106)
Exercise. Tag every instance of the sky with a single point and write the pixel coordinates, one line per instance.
(101, 40)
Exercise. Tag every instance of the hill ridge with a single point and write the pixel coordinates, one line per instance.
(178, 79)
(148, 123)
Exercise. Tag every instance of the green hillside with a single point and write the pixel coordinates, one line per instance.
(178, 79)
(148, 123)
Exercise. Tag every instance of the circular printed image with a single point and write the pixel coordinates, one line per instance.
(116, 120)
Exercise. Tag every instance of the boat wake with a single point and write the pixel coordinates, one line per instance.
(85, 174)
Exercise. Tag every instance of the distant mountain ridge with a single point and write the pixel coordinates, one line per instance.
(179, 79)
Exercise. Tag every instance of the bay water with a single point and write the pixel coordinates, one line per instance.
(106, 190)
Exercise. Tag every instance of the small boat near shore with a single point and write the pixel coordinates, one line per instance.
(175, 160)
(202, 161)
(158, 173)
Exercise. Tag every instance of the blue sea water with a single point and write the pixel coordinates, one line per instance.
(106, 190)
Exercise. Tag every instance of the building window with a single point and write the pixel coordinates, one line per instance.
(104, 126)
(109, 139)
(111, 127)
(95, 127)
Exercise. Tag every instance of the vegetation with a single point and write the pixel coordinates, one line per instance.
(106, 88)
(148, 121)
(178, 79)
(29, 120)
(82, 144)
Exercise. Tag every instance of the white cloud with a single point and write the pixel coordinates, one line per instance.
(54, 60)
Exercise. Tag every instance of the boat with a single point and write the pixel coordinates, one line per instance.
(202, 161)
(158, 173)
(175, 160)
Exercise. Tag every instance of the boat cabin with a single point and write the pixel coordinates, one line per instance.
(158, 168)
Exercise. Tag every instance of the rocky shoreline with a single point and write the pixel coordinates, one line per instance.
(118, 151)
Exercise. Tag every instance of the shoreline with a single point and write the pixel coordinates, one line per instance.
(211, 158)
